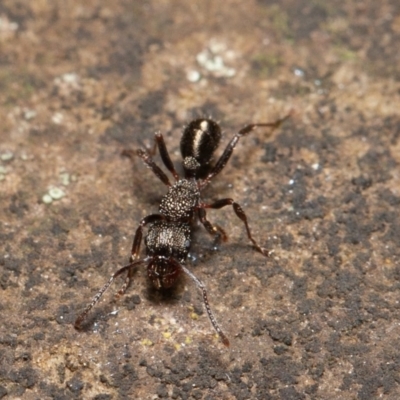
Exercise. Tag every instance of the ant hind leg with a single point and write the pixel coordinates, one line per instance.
(240, 214)
(214, 230)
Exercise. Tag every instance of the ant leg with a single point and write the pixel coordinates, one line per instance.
(214, 230)
(153, 150)
(214, 322)
(96, 298)
(240, 213)
(165, 155)
(226, 155)
(136, 248)
(148, 160)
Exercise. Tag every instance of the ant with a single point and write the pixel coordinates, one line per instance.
(168, 238)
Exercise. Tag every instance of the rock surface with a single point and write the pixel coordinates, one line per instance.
(82, 81)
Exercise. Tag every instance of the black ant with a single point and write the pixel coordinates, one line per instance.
(168, 238)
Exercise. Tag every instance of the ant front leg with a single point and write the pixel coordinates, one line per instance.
(240, 213)
(162, 148)
(226, 155)
(214, 230)
(136, 248)
(148, 160)
(147, 157)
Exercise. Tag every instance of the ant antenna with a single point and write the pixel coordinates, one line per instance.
(96, 298)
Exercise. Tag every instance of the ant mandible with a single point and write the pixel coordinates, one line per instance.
(168, 238)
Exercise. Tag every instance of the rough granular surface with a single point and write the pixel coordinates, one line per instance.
(82, 81)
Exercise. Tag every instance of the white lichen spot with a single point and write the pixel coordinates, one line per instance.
(7, 27)
(56, 193)
(65, 178)
(67, 83)
(71, 78)
(7, 156)
(47, 199)
(57, 118)
(217, 46)
(193, 76)
(315, 166)
(298, 72)
(29, 114)
(212, 59)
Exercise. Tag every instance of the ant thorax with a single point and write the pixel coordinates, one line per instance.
(179, 203)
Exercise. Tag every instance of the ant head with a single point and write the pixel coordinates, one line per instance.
(199, 141)
(163, 272)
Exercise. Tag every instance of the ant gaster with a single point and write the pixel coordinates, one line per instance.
(168, 238)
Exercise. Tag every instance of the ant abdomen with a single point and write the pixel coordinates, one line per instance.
(199, 141)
